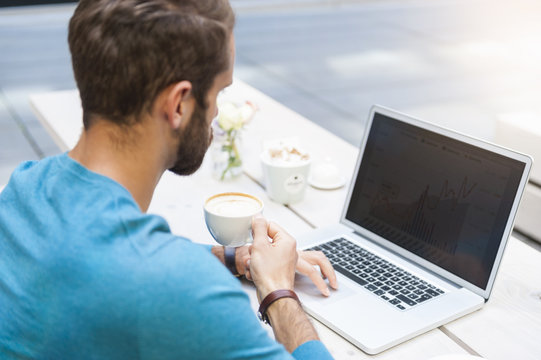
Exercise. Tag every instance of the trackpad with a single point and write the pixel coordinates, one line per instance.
(308, 292)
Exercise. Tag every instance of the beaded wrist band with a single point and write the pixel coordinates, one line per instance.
(269, 299)
(229, 260)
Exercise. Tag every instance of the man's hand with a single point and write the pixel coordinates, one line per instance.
(273, 258)
(313, 264)
(306, 265)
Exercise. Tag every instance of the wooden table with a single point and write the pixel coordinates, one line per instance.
(509, 326)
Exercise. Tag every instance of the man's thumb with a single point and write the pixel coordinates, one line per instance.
(259, 228)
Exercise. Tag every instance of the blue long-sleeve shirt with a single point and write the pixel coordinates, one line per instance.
(84, 274)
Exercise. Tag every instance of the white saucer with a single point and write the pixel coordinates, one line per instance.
(336, 185)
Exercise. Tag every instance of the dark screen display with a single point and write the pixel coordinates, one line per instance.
(443, 200)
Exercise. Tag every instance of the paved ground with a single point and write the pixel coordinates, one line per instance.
(458, 63)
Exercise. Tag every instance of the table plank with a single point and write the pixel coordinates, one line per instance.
(509, 325)
(60, 114)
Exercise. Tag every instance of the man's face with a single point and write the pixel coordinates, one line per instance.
(195, 138)
(194, 141)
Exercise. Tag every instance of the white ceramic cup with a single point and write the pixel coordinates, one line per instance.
(229, 217)
(285, 181)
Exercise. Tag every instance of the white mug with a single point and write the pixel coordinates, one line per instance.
(285, 182)
(229, 217)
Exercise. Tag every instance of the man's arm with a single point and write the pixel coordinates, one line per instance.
(273, 258)
(290, 324)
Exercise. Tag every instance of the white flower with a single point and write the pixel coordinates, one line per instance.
(233, 117)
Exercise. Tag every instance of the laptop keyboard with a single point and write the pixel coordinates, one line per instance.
(384, 279)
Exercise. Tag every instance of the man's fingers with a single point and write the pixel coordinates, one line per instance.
(307, 269)
(319, 259)
(330, 275)
(326, 268)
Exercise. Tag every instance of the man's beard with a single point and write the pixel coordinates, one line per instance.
(194, 141)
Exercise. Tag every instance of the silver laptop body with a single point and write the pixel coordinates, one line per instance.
(435, 206)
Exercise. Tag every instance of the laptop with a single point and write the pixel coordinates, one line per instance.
(422, 233)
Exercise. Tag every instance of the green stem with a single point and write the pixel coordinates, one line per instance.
(233, 152)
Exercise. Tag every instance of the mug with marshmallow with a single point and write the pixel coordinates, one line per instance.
(286, 167)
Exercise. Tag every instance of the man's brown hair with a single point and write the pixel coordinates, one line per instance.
(125, 52)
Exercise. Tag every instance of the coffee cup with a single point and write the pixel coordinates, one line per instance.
(229, 217)
(285, 172)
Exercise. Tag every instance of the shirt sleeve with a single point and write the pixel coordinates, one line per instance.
(190, 307)
(313, 350)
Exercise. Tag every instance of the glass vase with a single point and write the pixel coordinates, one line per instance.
(226, 155)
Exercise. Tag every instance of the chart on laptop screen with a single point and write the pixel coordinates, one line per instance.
(440, 198)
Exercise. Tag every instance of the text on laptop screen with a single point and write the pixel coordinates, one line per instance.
(439, 198)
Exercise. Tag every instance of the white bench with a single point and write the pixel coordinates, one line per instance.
(522, 132)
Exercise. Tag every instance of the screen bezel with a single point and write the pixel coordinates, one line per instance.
(525, 159)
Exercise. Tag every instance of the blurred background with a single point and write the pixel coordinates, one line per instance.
(459, 63)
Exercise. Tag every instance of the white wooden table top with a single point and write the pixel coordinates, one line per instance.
(508, 326)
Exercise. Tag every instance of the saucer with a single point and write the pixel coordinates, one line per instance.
(331, 186)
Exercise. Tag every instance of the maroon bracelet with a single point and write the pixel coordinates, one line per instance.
(269, 299)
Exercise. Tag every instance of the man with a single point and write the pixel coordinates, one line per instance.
(84, 272)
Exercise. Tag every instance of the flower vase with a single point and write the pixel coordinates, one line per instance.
(226, 155)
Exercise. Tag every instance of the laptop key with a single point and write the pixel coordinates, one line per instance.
(423, 298)
(405, 299)
(371, 287)
(349, 275)
(379, 292)
(400, 307)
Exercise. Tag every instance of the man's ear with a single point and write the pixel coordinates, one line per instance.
(178, 103)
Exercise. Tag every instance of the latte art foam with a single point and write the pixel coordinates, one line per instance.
(233, 205)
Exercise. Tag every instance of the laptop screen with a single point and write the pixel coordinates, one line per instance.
(440, 198)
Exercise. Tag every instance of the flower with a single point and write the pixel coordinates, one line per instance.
(233, 117)
(230, 121)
